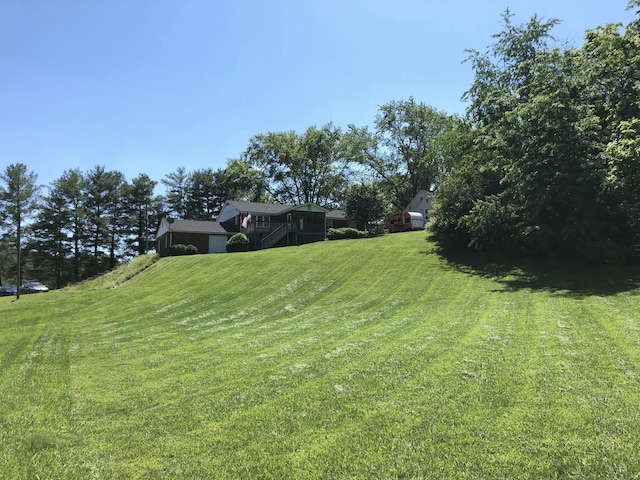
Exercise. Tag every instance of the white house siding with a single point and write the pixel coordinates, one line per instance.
(228, 212)
(421, 203)
(217, 243)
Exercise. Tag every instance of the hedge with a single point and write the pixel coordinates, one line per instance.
(237, 243)
(344, 233)
(181, 249)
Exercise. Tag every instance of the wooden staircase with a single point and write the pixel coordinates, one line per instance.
(277, 235)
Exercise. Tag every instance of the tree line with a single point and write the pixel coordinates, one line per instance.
(86, 223)
(545, 163)
(548, 158)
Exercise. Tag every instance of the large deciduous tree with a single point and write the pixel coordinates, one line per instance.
(365, 203)
(309, 168)
(611, 65)
(410, 157)
(551, 168)
(240, 181)
(622, 185)
(18, 201)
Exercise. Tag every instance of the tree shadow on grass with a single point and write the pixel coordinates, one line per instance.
(557, 277)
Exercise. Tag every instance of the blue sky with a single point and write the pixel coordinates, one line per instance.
(146, 86)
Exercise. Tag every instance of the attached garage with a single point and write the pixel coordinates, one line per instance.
(218, 243)
(207, 236)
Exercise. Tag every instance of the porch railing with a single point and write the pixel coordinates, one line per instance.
(276, 235)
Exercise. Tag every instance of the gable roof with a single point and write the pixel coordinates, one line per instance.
(233, 208)
(309, 207)
(208, 227)
(256, 208)
(336, 214)
(421, 199)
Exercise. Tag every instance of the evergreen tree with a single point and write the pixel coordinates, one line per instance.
(100, 191)
(52, 244)
(18, 201)
(144, 210)
(176, 197)
(203, 198)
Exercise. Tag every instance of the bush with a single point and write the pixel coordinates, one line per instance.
(181, 249)
(237, 243)
(344, 233)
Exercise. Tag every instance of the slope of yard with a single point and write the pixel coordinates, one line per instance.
(351, 359)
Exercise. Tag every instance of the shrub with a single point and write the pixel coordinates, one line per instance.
(344, 233)
(181, 249)
(237, 243)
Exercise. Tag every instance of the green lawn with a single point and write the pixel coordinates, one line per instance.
(353, 359)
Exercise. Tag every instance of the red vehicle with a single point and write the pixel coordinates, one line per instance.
(405, 221)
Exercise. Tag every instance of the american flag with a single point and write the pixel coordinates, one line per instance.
(246, 219)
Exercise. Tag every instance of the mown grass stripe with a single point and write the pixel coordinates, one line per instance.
(363, 359)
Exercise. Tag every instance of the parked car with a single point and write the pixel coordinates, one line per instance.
(8, 290)
(33, 287)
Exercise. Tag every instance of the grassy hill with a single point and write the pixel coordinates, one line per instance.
(363, 359)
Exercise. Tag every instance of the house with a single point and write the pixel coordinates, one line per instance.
(421, 203)
(267, 225)
(338, 219)
(273, 225)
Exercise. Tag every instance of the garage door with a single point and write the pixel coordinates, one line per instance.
(217, 243)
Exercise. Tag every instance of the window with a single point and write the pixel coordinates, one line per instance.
(262, 221)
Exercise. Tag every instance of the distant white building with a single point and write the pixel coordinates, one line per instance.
(421, 203)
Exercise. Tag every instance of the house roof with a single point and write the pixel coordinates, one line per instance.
(232, 208)
(193, 226)
(259, 208)
(422, 197)
(336, 215)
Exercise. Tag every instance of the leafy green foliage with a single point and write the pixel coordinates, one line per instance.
(345, 233)
(310, 168)
(177, 192)
(411, 157)
(181, 249)
(534, 180)
(103, 196)
(239, 181)
(365, 204)
(623, 180)
(237, 243)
